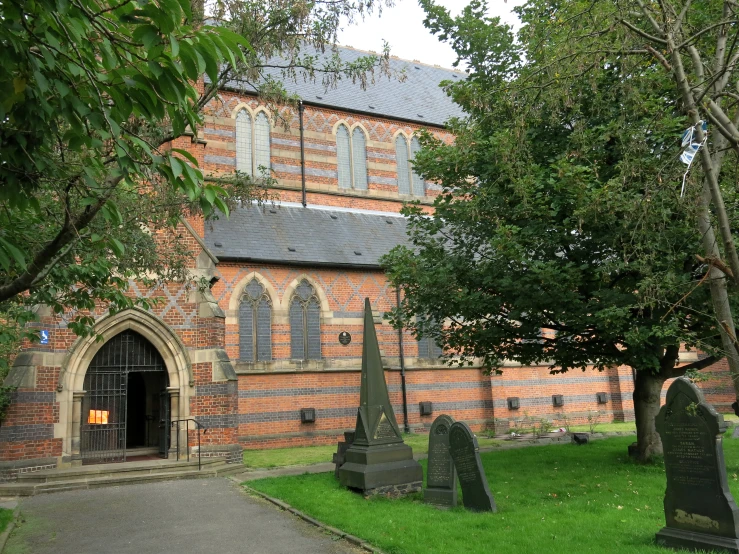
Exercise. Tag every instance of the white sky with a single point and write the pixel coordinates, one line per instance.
(402, 27)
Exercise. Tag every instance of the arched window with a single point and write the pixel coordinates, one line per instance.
(255, 324)
(243, 142)
(351, 154)
(344, 158)
(305, 323)
(359, 156)
(401, 159)
(427, 348)
(419, 185)
(409, 182)
(261, 142)
(252, 143)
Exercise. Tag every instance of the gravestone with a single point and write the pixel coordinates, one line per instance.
(378, 462)
(340, 454)
(700, 512)
(441, 477)
(466, 455)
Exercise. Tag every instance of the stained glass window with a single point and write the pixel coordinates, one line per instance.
(255, 324)
(305, 323)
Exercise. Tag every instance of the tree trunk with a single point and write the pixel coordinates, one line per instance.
(647, 390)
(711, 164)
(717, 284)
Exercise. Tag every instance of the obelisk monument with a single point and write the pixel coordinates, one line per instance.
(378, 462)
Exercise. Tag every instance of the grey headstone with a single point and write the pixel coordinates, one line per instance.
(441, 477)
(700, 512)
(735, 433)
(466, 455)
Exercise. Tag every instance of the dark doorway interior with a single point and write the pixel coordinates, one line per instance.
(143, 409)
(136, 411)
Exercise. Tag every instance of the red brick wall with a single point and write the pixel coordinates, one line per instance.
(262, 408)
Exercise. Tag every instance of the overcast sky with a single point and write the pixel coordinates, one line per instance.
(402, 27)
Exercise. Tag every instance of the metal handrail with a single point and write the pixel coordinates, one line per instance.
(198, 427)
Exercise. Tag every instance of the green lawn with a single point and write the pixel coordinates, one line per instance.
(306, 455)
(6, 516)
(606, 427)
(562, 498)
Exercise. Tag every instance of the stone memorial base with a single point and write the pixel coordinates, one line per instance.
(341, 449)
(690, 540)
(376, 467)
(394, 491)
(441, 498)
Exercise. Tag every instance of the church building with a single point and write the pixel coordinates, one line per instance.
(270, 355)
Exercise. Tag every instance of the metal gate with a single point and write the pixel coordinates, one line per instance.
(103, 425)
(164, 424)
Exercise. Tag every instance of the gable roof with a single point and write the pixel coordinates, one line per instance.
(418, 98)
(312, 236)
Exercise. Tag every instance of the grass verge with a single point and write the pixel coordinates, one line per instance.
(577, 499)
(306, 455)
(6, 516)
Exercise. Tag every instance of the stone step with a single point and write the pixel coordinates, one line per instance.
(26, 488)
(110, 470)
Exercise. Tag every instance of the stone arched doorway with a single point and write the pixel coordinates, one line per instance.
(71, 391)
(126, 407)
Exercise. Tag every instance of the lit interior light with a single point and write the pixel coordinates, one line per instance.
(99, 417)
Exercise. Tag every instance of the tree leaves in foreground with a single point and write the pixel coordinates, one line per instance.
(560, 237)
(92, 94)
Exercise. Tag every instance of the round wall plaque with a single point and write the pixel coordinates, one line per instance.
(345, 338)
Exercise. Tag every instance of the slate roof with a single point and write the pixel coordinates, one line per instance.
(418, 98)
(310, 236)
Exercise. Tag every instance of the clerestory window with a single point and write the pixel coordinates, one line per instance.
(351, 154)
(252, 143)
(409, 182)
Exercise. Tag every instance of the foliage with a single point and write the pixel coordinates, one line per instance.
(94, 92)
(560, 236)
(546, 497)
(593, 420)
(545, 426)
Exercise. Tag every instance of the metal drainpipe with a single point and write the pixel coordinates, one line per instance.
(406, 427)
(301, 109)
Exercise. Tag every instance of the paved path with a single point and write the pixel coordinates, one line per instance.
(187, 516)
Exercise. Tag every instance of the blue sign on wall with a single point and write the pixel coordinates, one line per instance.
(44, 334)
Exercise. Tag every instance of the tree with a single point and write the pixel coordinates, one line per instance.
(94, 92)
(695, 45)
(560, 236)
